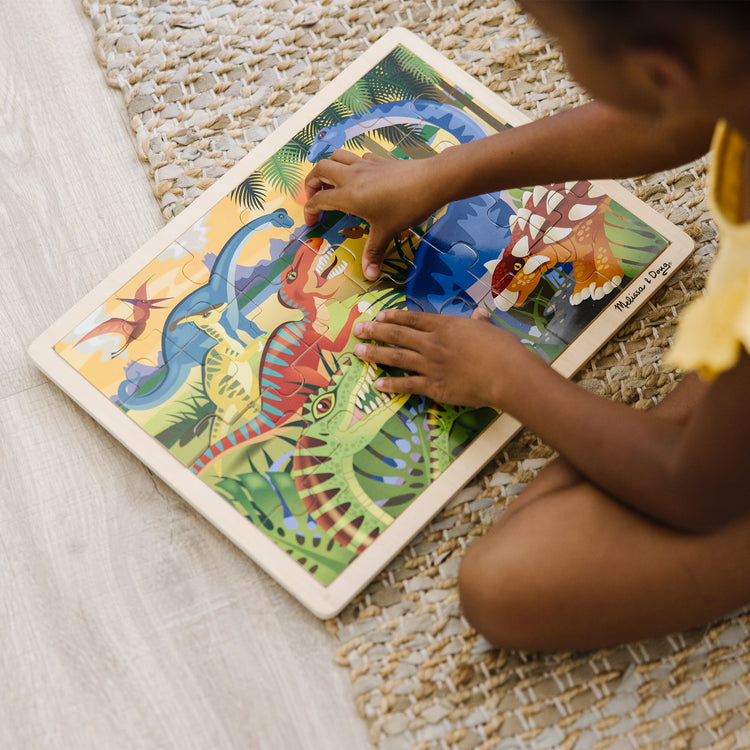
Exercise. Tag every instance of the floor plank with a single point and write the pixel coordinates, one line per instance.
(127, 620)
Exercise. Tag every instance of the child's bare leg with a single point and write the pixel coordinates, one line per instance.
(568, 567)
(556, 475)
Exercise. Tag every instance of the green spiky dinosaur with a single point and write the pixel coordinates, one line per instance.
(357, 462)
(341, 422)
(338, 463)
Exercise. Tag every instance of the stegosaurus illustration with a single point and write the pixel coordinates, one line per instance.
(558, 223)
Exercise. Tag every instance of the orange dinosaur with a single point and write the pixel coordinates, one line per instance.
(538, 243)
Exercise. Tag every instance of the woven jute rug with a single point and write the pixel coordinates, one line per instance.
(203, 81)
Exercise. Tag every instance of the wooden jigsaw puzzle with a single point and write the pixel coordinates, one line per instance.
(221, 353)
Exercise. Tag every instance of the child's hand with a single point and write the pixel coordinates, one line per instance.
(455, 360)
(391, 195)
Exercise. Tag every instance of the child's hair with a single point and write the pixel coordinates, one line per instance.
(641, 23)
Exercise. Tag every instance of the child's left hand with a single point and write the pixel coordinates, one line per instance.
(455, 360)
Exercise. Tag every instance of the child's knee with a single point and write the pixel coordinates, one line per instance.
(495, 592)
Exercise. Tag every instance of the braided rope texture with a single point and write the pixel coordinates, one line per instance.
(203, 81)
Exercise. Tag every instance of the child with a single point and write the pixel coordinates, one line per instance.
(642, 525)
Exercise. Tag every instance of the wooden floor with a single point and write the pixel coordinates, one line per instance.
(127, 621)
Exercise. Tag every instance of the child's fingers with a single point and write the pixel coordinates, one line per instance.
(374, 253)
(343, 156)
(311, 214)
(325, 198)
(405, 384)
(480, 313)
(321, 184)
(390, 356)
(419, 321)
(392, 334)
(329, 171)
(369, 156)
(326, 173)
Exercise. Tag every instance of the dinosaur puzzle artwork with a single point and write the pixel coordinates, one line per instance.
(231, 349)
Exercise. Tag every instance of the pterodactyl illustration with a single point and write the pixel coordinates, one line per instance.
(130, 329)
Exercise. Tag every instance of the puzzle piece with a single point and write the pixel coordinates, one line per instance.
(342, 421)
(461, 425)
(531, 254)
(263, 489)
(382, 133)
(328, 140)
(303, 379)
(330, 224)
(416, 303)
(193, 271)
(444, 442)
(398, 269)
(117, 330)
(537, 216)
(567, 321)
(282, 391)
(425, 137)
(241, 306)
(581, 188)
(227, 450)
(441, 145)
(186, 428)
(425, 226)
(228, 372)
(338, 260)
(356, 284)
(411, 140)
(459, 306)
(538, 330)
(443, 274)
(293, 368)
(214, 311)
(353, 228)
(246, 407)
(411, 452)
(181, 331)
(228, 430)
(138, 373)
(480, 291)
(322, 147)
(263, 283)
(264, 237)
(417, 107)
(595, 286)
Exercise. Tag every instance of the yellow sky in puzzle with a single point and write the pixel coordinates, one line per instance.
(176, 272)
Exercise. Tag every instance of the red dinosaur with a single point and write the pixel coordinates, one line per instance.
(293, 349)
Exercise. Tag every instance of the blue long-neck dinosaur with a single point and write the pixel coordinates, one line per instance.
(181, 347)
(417, 112)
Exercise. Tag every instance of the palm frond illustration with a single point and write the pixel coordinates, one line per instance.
(414, 66)
(251, 192)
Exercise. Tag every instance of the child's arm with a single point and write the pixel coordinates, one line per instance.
(589, 142)
(683, 400)
(686, 467)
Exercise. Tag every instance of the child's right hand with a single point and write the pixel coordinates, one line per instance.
(391, 195)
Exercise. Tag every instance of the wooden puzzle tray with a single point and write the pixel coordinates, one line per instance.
(221, 355)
